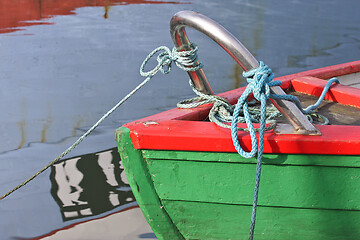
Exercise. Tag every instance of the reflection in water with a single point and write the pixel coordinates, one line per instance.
(106, 8)
(253, 28)
(14, 15)
(82, 63)
(22, 125)
(22, 132)
(77, 126)
(90, 184)
(237, 76)
(46, 126)
(43, 59)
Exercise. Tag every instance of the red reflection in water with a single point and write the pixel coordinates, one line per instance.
(15, 14)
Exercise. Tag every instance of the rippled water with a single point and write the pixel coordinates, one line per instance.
(65, 63)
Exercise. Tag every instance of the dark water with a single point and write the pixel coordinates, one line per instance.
(63, 64)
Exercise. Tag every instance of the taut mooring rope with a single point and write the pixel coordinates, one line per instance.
(185, 60)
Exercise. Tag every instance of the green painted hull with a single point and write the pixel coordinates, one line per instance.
(208, 195)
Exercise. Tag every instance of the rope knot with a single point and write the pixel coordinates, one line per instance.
(260, 80)
(185, 60)
(164, 60)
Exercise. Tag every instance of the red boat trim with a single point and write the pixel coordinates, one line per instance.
(337, 93)
(182, 129)
(326, 72)
(207, 136)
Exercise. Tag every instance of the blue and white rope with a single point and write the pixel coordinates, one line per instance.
(259, 83)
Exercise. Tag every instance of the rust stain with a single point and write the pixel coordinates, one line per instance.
(22, 125)
(47, 124)
(46, 127)
(43, 132)
(107, 8)
(76, 126)
(237, 76)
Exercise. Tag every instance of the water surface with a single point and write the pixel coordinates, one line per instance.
(63, 64)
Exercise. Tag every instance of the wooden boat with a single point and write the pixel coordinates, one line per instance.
(191, 184)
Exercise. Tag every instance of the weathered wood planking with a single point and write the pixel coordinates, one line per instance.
(282, 185)
(301, 196)
(198, 220)
(352, 80)
(273, 159)
(143, 188)
(191, 185)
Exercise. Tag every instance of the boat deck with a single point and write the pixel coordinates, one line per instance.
(352, 80)
(337, 113)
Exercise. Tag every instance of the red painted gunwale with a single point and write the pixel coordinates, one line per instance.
(182, 129)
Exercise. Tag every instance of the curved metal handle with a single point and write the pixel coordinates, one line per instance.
(240, 54)
(214, 31)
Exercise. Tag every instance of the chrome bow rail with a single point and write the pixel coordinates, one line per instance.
(300, 123)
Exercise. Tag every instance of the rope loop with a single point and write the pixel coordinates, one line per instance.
(164, 60)
(310, 116)
(259, 83)
(185, 60)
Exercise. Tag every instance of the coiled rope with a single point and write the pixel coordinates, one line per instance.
(222, 111)
(185, 60)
